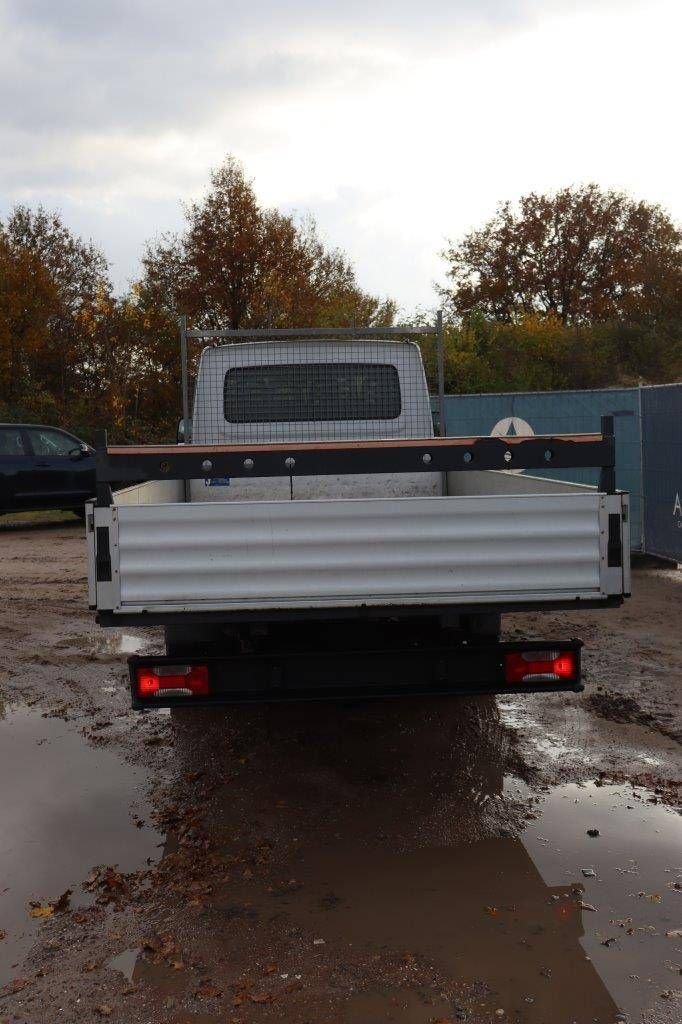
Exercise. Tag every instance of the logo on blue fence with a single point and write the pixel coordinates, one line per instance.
(512, 426)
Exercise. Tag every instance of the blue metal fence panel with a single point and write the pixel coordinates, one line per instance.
(662, 408)
(562, 412)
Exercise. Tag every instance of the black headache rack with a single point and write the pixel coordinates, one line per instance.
(462, 670)
(130, 464)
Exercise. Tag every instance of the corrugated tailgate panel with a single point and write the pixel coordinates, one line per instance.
(373, 551)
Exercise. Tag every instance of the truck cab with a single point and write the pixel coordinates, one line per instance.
(312, 390)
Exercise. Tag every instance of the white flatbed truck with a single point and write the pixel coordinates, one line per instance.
(313, 539)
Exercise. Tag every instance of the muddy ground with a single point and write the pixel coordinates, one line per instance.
(412, 862)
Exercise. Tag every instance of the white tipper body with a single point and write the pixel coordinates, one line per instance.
(345, 541)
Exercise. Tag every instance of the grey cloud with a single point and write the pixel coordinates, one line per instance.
(92, 67)
(74, 73)
(98, 92)
(176, 22)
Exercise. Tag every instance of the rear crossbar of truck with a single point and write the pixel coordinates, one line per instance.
(404, 455)
(512, 667)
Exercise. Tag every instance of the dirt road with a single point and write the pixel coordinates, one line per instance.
(411, 862)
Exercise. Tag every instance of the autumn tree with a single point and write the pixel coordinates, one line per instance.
(77, 273)
(78, 268)
(28, 302)
(581, 255)
(238, 264)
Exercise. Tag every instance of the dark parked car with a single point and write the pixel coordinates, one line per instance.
(44, 468)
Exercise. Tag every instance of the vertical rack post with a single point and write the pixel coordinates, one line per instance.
(441, 373)
(184, 380)
(441, 389)
(184, 374)
(103, 493)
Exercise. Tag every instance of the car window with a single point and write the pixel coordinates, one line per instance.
(11, 441)
(51, 442)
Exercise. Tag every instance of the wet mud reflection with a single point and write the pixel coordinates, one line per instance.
(65, 806)
(368, 864)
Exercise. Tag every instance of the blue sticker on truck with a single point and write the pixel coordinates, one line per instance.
(217, 481)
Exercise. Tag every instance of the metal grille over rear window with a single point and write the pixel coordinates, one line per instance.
(306, 392)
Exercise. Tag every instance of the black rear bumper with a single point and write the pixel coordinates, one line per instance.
(465, 669)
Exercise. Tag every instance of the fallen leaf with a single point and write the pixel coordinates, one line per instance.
(264, 997)
(15, 986)
(3, 933)
(104, 1010)
(39, 911)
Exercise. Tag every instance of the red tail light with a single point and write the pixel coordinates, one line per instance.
(172, 680)
(540, 666)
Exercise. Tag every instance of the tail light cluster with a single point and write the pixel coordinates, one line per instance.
(531, 667)
(172, 681)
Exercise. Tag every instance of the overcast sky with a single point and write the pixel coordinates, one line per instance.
(396, 124)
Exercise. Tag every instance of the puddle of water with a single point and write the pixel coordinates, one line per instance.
(402, 869)
(479, 913)
(406, 1007)
(637, 858)
(124, 643)
(515, 715)
(124, 963)
(65, 808)
(504, 911)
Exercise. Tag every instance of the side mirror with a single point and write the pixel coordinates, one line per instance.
(184, 431)
(80, 452)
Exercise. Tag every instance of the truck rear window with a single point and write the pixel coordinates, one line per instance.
(307, 392)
